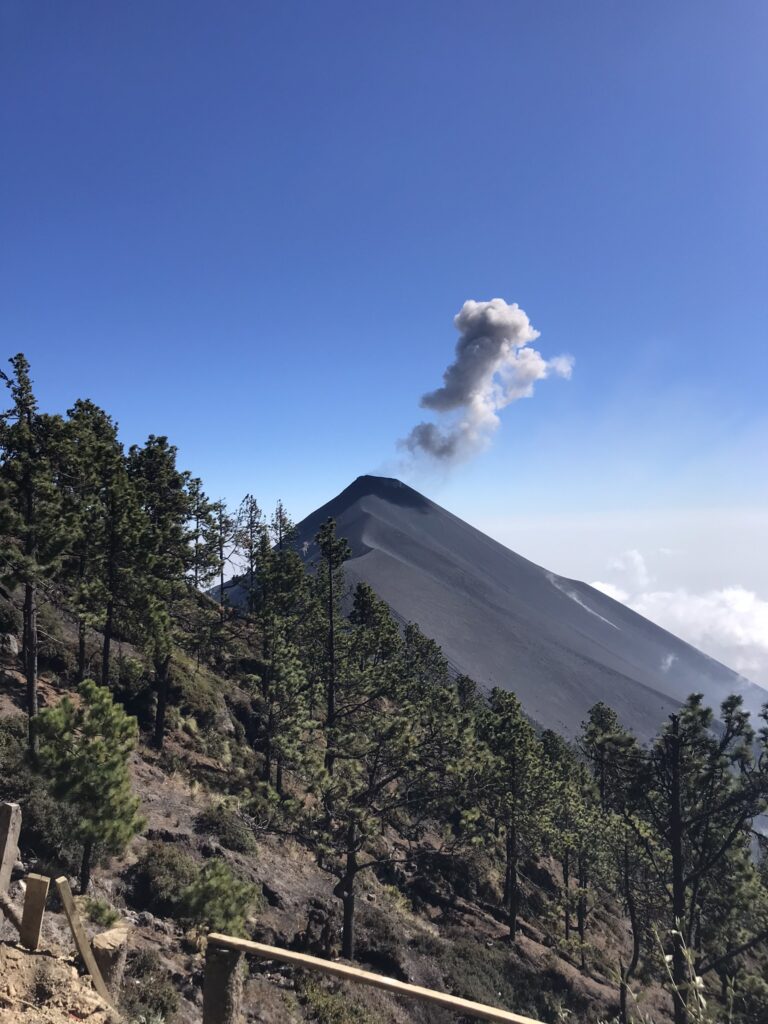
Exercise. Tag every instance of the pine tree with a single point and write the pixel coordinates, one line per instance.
(166, 551)
(394, 751)
(610, 751)
(519, 790)
(286, 580)
(280, 704)
(84, 749)
(223, 541)
(697, 793)
(250, 530)
(328, 587)
(36, 531)
(204, 515)
(106, 524)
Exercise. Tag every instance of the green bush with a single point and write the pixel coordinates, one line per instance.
(160, 878)
(148, 993)
(330, 1007)
(198, 693)
(53, 651)
(170, 883)
(100, 912)
(228, 827)
(48, 826)
(133, 687)
(218, 901)
(10, 617)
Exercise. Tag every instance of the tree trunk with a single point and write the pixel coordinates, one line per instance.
(623, 987)
(85, 867)
(81, 566)
(161, 680)
(629, 899)
(105, 650)
(81, 654)
(348, 897)
(679, 967)
(581, 908)
(266, 771)
(331, 694)
(567, 887)
(30, 663)
(511, 887)
(279, 776)
(221, 566)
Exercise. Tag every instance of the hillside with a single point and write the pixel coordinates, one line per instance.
(438, 925)
(559, 644)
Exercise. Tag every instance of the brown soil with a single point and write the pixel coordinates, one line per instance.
(42, 988)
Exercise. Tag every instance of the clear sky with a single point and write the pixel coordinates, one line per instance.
(249, 225)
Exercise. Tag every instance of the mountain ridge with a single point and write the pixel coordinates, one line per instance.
(505, 621)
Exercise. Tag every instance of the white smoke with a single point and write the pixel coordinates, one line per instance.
(494, 366)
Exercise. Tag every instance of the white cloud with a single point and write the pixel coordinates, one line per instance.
(728, 623)
(631, 565)
(611, 590)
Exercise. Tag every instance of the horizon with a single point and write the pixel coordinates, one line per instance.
(251, 230)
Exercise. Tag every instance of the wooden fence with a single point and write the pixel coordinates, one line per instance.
(28, 921)
(222, 989)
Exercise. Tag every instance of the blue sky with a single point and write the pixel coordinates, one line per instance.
(249, 226)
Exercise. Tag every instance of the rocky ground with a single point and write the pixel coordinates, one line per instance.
(46, 988)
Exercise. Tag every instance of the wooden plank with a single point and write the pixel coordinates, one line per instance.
(34, 908)
(340, 970)
(10, 826)
(81, 939)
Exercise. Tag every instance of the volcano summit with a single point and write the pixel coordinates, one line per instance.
(559, 644)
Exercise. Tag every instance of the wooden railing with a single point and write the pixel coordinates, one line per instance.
(222, 990)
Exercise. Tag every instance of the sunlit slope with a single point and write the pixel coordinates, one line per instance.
(559, 644)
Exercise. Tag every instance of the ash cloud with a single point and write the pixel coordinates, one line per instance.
(494, 365)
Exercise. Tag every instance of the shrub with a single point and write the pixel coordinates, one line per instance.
(229, 828)
(330, 1007)
(100, 912)
(219, 901)
(160, 878)
(134, 689)
(148, 993)
(167, 881)
(48, 826)
(10, 617)
(53, 650)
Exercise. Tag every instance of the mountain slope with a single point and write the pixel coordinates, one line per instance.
(559, 644)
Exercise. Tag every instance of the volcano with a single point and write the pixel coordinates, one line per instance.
(557, 643)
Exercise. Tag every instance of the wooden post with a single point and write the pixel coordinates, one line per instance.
(10, 826)
(222, 986)
(34, 908)
(81, 939)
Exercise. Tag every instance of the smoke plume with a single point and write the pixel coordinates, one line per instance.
(494, 366)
